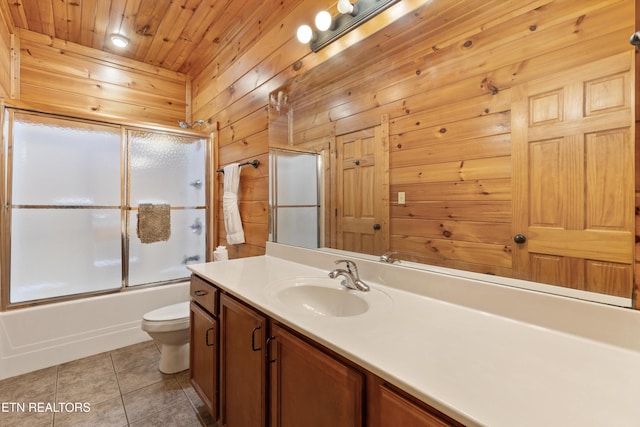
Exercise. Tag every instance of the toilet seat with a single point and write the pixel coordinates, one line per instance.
(165, 319)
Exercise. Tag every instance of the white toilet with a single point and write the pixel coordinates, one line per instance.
(169, 326)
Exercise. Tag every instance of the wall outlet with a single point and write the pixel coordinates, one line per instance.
(401, 198)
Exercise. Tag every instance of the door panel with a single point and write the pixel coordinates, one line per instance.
(362, 197)
(573, 156)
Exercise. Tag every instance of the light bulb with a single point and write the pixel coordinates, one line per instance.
(119, 40)
(345, 6)
(323, 20)
(304, 34)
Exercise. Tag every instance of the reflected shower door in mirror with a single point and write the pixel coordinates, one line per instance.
(294, 198)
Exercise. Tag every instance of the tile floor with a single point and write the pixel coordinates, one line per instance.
(120, 388)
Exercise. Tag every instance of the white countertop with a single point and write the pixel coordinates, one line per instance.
(478, 365)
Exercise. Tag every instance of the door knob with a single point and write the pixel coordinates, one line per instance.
(635, 39)
(519, 238)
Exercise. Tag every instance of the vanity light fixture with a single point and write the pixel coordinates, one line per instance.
(119, 40)
(350, 17)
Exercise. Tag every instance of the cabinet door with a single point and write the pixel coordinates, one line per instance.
(395, 410)
(310, 388)
(203, 357)
(242, 365)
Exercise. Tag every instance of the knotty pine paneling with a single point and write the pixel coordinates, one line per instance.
(6, 62)
(636, 298)
(64, 78)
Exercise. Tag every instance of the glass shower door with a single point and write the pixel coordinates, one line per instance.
(166, 171)
(65, 205)
(293, 198)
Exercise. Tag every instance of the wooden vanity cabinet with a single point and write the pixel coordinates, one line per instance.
(203, 351)
(271, 375)
(243, 378)
(310, 388)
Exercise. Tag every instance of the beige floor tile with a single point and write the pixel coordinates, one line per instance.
(135, 355)
(140, 376)
(22, 388)
(153, 398)
(85, 370)
(91, 386)
(72, 371)
(178, 415)
(109, 413)
(28, 418)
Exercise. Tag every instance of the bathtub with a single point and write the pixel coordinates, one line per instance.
(47, 335)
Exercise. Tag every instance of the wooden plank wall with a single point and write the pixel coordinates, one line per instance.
(67, 78)
(636, 298)
(6, 46)
(444, 77)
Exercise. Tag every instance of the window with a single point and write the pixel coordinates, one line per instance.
(72, 193)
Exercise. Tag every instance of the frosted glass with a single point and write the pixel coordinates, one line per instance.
(155, 262)
(298, 226)
(166, 169)
(297, 180)
(62, 162)
(57, 252)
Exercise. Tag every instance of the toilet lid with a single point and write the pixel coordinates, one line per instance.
(169, 312)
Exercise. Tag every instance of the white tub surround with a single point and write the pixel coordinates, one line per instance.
(46, 335)
(482, 353)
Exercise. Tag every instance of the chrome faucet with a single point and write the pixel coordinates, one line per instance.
(351, 277)
(388, 257)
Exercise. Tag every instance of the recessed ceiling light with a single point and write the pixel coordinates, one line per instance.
(119, 40)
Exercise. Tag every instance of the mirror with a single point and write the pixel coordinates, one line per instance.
(477, 180)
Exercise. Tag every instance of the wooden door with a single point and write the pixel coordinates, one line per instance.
(362, 196)
(203, 357)
(573, 176)
(242, 365)
(310, 388)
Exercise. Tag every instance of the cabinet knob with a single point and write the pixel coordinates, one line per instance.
(376, 226)
(199, 293)
(519, 238)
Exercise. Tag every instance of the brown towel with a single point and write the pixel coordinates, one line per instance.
(154, 222)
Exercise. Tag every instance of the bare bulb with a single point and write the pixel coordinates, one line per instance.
(323, 20)
(304, 34)
(345, 6)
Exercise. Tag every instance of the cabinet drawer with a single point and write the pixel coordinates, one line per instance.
(205, 294)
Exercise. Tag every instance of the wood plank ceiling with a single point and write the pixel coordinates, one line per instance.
(178, 35)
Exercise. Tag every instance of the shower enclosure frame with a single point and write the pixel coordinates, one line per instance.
(7, 113)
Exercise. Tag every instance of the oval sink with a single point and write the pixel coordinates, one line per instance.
(324, 301)
(323, 296)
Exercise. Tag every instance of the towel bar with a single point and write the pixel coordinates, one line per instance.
(253, 163)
